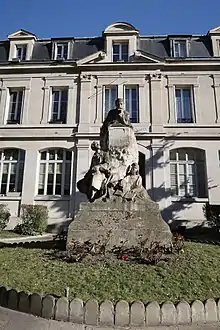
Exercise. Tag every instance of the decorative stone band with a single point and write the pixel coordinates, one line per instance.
(121, 314)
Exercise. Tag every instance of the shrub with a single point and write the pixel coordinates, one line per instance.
(212, 214)
(34, 220)
(4, 216)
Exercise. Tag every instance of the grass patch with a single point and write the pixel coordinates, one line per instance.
(9, 234)
(193, 275)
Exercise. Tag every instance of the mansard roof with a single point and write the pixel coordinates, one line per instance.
(157, 47)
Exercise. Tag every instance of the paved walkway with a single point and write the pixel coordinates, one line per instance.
(11, 320)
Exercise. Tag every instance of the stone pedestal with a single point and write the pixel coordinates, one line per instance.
(119, 223)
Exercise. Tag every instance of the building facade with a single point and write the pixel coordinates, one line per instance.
(55, 93)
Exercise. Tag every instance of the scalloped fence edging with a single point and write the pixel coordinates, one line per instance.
(121, 314)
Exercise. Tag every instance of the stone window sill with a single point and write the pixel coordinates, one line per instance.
(189, 199)
(51, 198)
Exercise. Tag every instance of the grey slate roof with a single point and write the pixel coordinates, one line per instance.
(159, 47)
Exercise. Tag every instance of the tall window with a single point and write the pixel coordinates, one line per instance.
(111, 94)
(132, 102)
(21, 52)
(55, 172)
(15, 106)
(180, 48)
(62, 51)
(11, 170)
(120, 52)
(188, 173)
(184, 105)
(59, 105)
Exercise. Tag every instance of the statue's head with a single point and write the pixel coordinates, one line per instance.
(134, 169)
(119, 104)
(95, 146)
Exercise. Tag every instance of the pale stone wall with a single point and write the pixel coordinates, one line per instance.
(85, 114)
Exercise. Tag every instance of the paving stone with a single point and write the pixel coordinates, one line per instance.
(198, 312)
(107, 313)
(76, 311)
(211, 314)
(137, 314)
(122, 313)
(13, 299)
(23, 302)
(3, 296)
(153, 313)
(48, 305)
(183, 313)
(168, 314)
(91, 312)
(62, 309)
(35, 304)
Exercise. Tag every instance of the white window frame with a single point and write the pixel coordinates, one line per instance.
(10, 91)
(108, 87)
(119, 43)
(60, 43)
(174, 41)
(131, 86)
(58, 89)
(9, 162)
(47, 162)
(22, 47)
(192, 99)
(187, 185)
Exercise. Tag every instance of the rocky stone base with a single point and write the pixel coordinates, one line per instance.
(116, 222)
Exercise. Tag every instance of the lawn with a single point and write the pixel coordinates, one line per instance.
(195, 274)
(8, 234)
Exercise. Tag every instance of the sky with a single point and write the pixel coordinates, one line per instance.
(87, 18)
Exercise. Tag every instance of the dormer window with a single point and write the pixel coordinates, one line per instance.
(61, 51)
(180, 48)
(120, 52)
(21, 52)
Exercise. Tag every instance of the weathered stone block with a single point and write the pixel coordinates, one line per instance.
(12, 299)
(114, 222)
(122, 313)
(137, 314)
(3, 296)
(23, 302)
(107, 313)
(91, 312)
(168, 314)
(218, 309)
(62, 309)
(35, 304)
(48, 305)
(198, 312)
(211, 314)
(153, 313)
(76, 311)
(183, 313)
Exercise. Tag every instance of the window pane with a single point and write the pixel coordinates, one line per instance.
(182, 154)
(43, 155)
(68, 155)
(110, 97)
(124, 52)
(182, 46)
(173, 155)
(187, 108)
(52, 154)
(60, 154)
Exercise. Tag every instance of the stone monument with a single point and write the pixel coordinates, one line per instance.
(119, 210)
